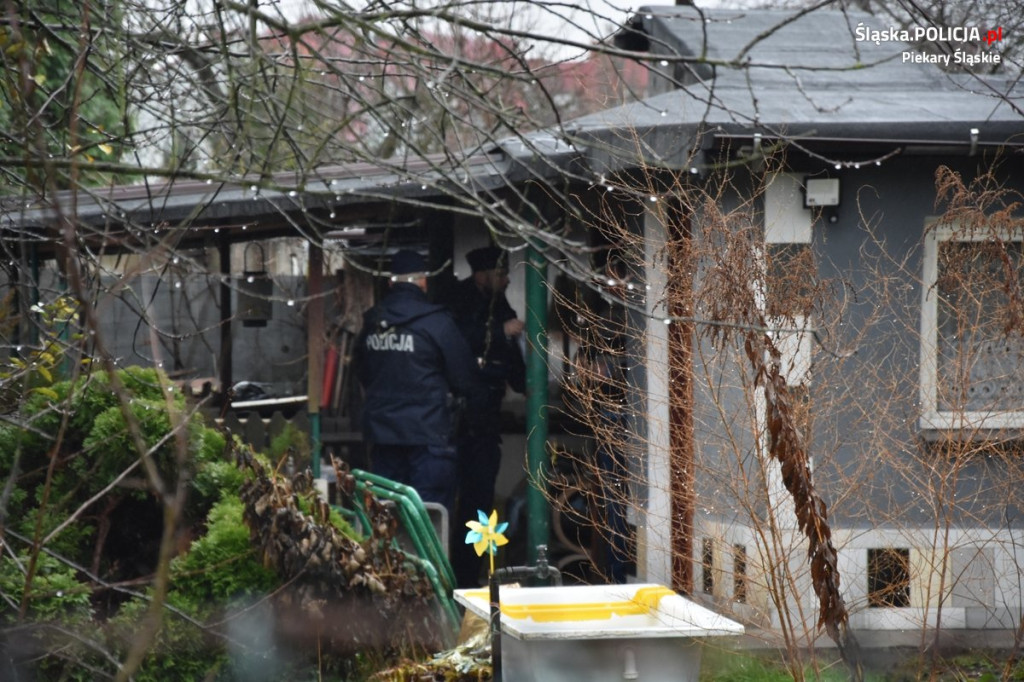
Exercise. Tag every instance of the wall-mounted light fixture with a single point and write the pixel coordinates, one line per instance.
(819, 192)
(822, 194)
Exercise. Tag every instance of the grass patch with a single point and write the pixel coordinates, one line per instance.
(727, 665)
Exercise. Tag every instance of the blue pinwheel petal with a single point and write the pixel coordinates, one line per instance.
(482, 517)
(501, 527)
(473, 537)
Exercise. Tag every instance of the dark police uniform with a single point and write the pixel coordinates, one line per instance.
(412, 362)
(481, 318)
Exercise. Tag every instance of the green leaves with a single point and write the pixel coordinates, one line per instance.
(221, 566)
(55, 593)
(62, 107)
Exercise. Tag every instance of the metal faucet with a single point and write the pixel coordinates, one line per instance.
(542, 570)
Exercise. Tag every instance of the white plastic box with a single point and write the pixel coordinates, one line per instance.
(598, 633)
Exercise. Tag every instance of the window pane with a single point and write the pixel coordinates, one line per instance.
(889, 577)
(707, 560)
(739, 573)
(980, 346)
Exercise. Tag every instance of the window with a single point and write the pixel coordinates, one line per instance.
(739, 573)
(972, 350)
(707, 560)
(888, 577)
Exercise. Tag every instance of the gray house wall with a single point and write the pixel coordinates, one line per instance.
(882, 476)
(796, 80)
(875, 251)
(173, 322)
(184, 334)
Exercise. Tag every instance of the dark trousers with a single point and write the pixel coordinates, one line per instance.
(479, 460)
(430, 469)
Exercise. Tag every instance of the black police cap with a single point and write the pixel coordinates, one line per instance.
(486, 258)
(406, 262)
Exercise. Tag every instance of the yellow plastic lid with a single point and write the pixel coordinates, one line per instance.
(644, 601)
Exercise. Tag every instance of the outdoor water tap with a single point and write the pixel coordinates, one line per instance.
(542, 570)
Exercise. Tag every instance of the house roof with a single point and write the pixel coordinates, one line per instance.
(820, 77)
(815, 79)
(309, 205)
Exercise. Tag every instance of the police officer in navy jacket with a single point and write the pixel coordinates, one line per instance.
(490, 326)
(415, 368)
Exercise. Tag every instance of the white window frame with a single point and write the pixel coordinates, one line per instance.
(933, 419)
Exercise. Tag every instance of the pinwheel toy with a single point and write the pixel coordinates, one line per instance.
(485, 534)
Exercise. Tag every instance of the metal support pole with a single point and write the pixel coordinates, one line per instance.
(539, 571)
(538, 509)
(494, 624)
(226, 354)
(315, 350)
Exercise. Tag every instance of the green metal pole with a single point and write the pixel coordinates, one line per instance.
(317, 442)
(315, 349)
(538, 508)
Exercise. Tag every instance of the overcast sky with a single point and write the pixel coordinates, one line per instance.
(581, 22)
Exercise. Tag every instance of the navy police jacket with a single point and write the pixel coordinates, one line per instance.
(412, 363)
(481, 319)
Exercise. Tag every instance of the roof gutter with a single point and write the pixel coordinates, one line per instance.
(870, 147)
(946, 136)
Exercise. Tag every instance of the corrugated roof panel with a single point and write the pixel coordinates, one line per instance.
(783, 72)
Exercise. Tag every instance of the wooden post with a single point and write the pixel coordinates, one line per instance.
(680, 357)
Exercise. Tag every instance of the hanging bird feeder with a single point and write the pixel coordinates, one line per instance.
(255, 306)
